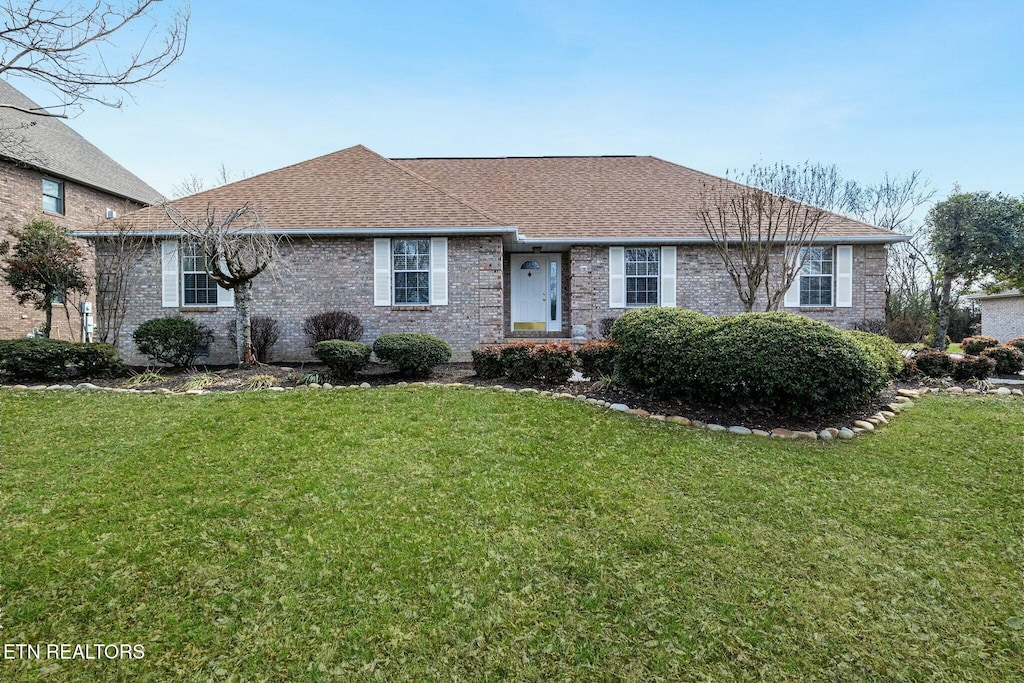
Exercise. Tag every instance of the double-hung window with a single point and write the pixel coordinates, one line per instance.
(198, 288)
(411, 271)
(53, 196)
(642, 276)
(817, 277)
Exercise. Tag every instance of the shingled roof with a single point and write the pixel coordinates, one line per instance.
(554, 198)
(612, 197)
(50, 145)
(352, 188)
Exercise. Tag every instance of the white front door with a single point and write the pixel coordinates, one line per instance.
(536, 292)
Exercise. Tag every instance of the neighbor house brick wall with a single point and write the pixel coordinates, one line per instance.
(1003, 318)
(21, 200)
(702, 284)
(314, 275)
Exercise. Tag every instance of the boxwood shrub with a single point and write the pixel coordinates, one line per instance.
(1009, 360)
(882, 351)
(597, 359)
(663, 350)
(343, 358)
(174, 340)
(55, 358)
(414, 355)
(934, 363)
(972, 367)
(972, 346)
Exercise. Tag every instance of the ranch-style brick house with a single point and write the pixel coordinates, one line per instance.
(48, 170)
(481, 250)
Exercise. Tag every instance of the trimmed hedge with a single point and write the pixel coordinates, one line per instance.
(972, 367)
(785, 362)
(882, 351)
(1009, 360)
(972, 346)
(555, 361)
(663, 350)
(597, 359)
(174, 340)
(414, 355)
(51, 358)
(487, 362)
(343, 358)
(518, 362)
(1017, 343)
(934, 363)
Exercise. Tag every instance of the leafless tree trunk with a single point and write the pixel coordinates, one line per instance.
(238, 247)
(74, 48)
(760, 223)
(117, 256)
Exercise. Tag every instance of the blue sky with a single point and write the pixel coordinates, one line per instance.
(870, 86)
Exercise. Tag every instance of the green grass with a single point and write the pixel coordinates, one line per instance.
(418, 534)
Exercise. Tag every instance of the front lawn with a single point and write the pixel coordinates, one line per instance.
(425, 533)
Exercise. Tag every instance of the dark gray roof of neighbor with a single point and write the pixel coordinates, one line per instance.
(50, 145)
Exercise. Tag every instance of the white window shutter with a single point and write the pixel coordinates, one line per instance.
(668, 276)
(382, 272)
(616, 277)
(439, 271)
(171, 283)
(844, 276)
(225, 297)
(792, 297)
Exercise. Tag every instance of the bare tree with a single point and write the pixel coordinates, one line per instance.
(237, 247)
(193, 183)
(117, 256)
(73, 48)
(760, 222)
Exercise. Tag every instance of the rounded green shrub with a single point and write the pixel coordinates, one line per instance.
(1009, 360)
(789, 363)
(343, 358)
(487, 362)
(972, 346)
(174, 340)
(972, 367)
(662, 350)
(934, 363)
(54, 358)
(414, 355)
(881, 351)
(597, 359)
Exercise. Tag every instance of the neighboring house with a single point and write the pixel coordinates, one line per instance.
(49, 170)
(1002, 314)
(478, 251)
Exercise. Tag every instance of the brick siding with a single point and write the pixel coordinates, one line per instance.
(21, 200)
(1003, 318)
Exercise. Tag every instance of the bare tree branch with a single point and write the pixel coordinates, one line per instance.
(71, 47)
(238, 247)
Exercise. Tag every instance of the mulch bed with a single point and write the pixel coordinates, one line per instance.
(751, 416)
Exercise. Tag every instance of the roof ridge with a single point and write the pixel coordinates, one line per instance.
(438, 188)
(527, 156)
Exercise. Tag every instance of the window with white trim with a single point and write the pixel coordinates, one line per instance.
(53, 196)
(410, 271)
(642, 276)
(817, 277)
(198, 288)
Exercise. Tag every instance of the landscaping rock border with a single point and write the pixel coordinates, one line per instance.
(904, 400)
